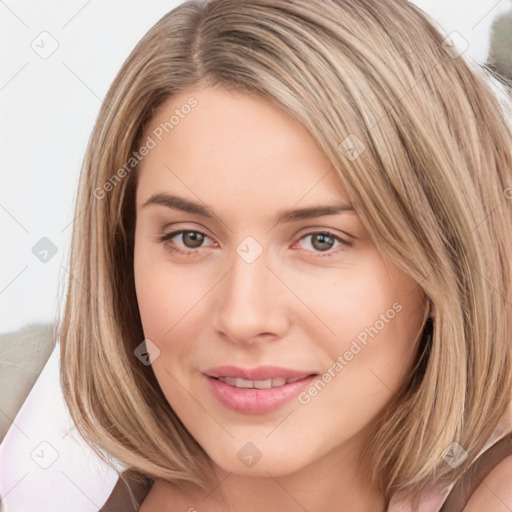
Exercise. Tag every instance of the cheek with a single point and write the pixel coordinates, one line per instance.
(167, 296)
(357, 301)
(370, 319)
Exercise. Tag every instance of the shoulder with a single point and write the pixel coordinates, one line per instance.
(487, 485)
(129, 492)
(494, 493)
(164, 497)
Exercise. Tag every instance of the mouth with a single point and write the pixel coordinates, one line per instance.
(258, 390)
(257, 384)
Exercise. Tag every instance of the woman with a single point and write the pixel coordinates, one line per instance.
(293, 244)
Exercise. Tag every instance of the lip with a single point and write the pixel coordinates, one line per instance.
(258, 373)
(254, 400)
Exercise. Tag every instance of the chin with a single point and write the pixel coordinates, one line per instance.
(263, 461)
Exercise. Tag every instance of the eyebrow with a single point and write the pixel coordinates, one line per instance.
(185, 205)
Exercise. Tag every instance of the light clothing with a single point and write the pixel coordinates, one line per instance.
(45, 464)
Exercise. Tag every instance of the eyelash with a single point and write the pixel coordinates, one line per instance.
(166, 240)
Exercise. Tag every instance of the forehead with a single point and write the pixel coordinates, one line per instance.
(231, 145)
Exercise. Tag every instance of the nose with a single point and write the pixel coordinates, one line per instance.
(251, 303)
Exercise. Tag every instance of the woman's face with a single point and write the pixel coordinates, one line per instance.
(278, 332)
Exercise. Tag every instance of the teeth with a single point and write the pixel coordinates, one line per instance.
(263, 384)
(258, 384)
(242, 383)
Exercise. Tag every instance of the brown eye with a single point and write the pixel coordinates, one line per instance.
(192, 239)
(322, 241)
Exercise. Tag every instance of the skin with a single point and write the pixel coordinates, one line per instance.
(293, 306)
(495, 493)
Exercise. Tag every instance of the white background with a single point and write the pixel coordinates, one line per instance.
(48, 107)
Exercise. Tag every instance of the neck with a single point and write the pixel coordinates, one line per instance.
(335, 481)
(324, 485)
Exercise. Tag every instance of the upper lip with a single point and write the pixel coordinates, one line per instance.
(258, 373)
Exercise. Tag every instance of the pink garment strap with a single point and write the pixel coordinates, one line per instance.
(454, 497)
(464, 489)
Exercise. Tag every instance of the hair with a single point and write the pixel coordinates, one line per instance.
(431, 185)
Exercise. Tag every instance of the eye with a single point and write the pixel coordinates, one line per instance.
(320, 243)
(323, 241)
(191, 240)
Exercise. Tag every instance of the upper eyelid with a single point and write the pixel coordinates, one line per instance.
(310, 230)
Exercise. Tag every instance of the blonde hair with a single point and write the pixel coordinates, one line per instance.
(431, 184)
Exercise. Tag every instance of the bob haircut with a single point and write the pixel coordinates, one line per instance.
(422, 147)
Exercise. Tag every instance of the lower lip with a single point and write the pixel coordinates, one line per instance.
(256, 401)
